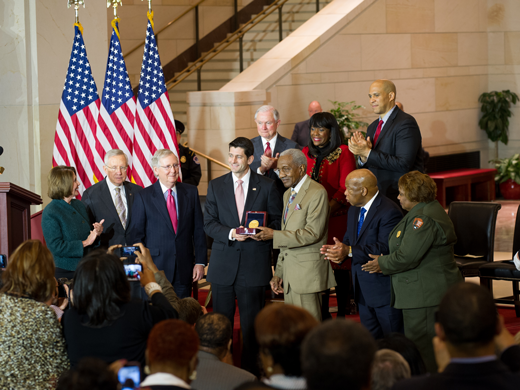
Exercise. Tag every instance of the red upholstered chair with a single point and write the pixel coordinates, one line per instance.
(475, 229)
(36, 227)
(505, 270)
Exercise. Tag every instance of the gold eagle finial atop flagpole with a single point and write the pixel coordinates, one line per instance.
(115, 4)
(76, 4)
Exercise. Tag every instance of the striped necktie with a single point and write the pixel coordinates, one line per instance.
(120, 207)
(291, 199)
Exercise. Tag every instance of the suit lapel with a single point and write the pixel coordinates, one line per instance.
(280, 145)
(252, 192)
(370, 215)
(299, 196)
(106, 197)
(229, 195)
(182, 202)
(259, 150)
(160, 205)
(387, 127)
(129, 200)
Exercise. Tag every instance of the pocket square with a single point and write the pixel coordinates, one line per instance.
(297, 207)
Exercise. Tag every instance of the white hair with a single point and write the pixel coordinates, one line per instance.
(276, 114)
(115, 152)
(160, 154)
(297, 155)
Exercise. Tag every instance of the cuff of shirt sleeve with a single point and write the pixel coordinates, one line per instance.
(516, 260)
(231, 235)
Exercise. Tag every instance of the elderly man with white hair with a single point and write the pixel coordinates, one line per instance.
(111, 199)
(167, 219)
(269, 144)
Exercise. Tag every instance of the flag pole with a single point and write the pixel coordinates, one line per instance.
(114, 4)
(76, 4)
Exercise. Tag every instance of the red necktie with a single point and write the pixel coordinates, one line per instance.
(172, 210)
(378, 131)
(268, 152)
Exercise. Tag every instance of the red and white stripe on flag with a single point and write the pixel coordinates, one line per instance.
(117, 112)
(154, 123)
(76, 128)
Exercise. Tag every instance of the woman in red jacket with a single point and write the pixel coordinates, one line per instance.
(329, 162)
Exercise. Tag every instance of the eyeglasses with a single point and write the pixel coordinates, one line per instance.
(168, 168)
(122, 169)
(266, 123)
(285, 170)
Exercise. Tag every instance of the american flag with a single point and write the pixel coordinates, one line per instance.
(75, 136)
(117, 114)
(154, 124)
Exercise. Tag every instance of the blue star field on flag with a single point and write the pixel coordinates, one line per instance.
(117, 89)
(151, 84)
(79, 89)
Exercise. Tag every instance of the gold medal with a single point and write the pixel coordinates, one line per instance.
(254, 224)
(398, 234)
(183, 159)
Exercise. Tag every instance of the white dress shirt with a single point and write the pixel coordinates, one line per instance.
(272, 144)
(112, 189)
(245, 186)
(368, 205)
(165, 191)
(164, 379)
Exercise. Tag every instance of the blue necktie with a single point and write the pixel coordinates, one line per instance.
(361, 220)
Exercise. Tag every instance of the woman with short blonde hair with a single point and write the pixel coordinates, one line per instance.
(33, 354)
(65, 223)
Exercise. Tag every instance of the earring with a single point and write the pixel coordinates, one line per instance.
(146, 370)
(193, 375)
(269, 370)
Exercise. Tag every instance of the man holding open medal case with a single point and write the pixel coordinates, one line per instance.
(240, 267)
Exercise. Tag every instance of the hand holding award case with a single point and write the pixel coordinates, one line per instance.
(253, 220)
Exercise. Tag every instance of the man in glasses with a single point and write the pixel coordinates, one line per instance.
(167, 219)
(111, 199)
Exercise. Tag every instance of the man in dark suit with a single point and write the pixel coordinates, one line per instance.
(111, 199)
(469, 334)
(370, 221)
(167, 219)
(240, 267)
(393, 143)
(269, 144)
(302, 130)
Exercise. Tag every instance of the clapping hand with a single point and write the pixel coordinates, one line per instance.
(267, 163)
(335, 253)
(372, 266)
(360, 146)
(98, 227)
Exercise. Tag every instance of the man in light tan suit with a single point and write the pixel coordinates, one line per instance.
(301, 269)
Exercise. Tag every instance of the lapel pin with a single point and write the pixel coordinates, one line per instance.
(254, 189)
(398, 233)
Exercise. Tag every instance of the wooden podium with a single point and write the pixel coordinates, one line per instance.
(15, 214)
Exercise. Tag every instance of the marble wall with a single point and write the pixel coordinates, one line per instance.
(441, 54)
(36, 39)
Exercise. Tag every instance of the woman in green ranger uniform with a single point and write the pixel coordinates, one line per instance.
(421, 262)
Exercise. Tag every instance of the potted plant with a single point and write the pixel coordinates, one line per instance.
(344, 114)
(508, 176)
(496, 111)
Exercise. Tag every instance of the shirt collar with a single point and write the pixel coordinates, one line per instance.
(299, 185)
(272, 141)
(244, 179)
(473, 360)
(369, 203)
(162, 378)
(112, 186)
(385, 118)
(164, 188)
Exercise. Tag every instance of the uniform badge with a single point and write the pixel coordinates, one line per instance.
(196, 160)
(183, 159)
(417, 223)
(398, 234)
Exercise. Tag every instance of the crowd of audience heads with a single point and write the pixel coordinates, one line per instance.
(178, 344)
